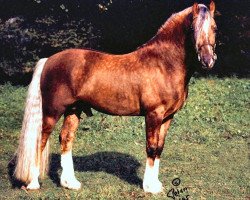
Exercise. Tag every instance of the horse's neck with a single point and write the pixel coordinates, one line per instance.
(169, 44)
(175, 28)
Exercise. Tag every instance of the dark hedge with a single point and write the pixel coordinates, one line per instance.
(32, 29)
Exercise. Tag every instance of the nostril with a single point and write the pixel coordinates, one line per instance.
(211, 63)
(208, 61)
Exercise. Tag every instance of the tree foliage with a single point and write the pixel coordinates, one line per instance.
(32, 29)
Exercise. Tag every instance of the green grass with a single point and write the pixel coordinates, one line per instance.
(208, 148)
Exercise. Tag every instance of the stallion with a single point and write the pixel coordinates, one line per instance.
(151, 81)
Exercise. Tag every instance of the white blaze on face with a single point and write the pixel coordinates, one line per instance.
(202, 26)
(205, 32)
(206, 24)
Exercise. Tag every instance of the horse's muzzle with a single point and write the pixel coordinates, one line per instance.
(207, 60)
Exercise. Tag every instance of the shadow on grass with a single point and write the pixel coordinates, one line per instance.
(121, 165)
(11, 168)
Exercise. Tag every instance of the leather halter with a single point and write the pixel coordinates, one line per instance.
(206, 44)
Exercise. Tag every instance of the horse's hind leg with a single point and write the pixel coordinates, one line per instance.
(71, 122)
(43, 158)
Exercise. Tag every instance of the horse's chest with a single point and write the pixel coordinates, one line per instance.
(175, 100)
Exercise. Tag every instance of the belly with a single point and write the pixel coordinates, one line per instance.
(113, 98)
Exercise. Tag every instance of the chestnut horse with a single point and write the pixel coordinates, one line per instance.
(152, 81)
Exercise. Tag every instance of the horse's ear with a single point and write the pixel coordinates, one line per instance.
(212, 8)
(195, 10)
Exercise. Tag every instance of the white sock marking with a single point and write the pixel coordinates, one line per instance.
(67, 163)
(34, 184)
(68, 179)
(151, 182)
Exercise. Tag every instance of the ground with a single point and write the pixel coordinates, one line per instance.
(207, 149)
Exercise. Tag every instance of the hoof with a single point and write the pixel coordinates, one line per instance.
(33, 186)
(153, 187)
(71, 184)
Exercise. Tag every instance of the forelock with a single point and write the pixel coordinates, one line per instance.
(203, 10)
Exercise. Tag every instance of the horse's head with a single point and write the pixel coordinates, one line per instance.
(204, 28)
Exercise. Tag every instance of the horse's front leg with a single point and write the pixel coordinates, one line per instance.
(67, 135)
(156, 130)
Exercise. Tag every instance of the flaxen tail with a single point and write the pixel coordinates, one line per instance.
(28, 155)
